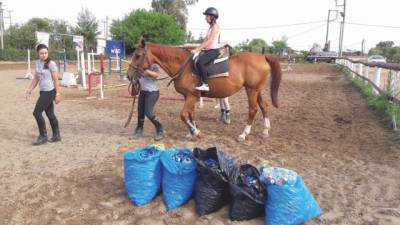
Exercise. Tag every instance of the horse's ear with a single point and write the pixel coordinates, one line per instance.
(142, 42)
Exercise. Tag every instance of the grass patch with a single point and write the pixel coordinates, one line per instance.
(380, 103)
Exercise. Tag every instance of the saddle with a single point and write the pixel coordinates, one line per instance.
(219, 67)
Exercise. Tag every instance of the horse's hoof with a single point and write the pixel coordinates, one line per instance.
(265, 133)
(189, 136)
(196, 133)
(227, 121)
(241, 138)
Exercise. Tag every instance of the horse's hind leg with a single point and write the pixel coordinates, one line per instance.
(264, 109)
(252, 99)
(225, 110)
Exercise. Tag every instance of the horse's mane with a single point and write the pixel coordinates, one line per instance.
(169, 53)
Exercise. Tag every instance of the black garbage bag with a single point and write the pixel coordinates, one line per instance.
(212, 187)
(247, 193)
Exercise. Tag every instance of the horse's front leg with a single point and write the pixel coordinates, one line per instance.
(187, 116)
(252, 100)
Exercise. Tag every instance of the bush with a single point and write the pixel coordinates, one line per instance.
(13, 54)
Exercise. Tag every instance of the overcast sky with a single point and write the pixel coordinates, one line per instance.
(240, 20)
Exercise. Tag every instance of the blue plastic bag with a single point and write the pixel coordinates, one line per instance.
(179, 176)
(142, 173)
(289, 202)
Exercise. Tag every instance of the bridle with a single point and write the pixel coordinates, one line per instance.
(138, 68)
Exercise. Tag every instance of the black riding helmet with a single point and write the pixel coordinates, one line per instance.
(212, 12)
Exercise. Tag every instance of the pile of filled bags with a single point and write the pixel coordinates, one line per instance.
(215, 179)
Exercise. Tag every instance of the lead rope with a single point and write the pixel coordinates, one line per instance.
(132, 87)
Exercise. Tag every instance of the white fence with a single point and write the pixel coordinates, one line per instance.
(383, 78)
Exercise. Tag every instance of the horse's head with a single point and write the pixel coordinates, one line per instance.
(139, 61)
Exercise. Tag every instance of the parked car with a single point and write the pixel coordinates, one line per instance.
(376, 59)
(328, 56)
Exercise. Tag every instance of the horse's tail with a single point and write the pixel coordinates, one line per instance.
(276, 76)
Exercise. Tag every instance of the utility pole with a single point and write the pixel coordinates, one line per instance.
(105, 27)
(9, 13)
(327, 28)
(106, 31)
(363, 47)
(1, 27)
(343, 14)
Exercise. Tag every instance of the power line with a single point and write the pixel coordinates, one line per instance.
(373, 25)
(265, 27)
(306, 31)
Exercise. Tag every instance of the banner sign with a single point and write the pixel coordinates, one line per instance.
(43, 38)
(101, 46)
(114, 47)
(78, 43)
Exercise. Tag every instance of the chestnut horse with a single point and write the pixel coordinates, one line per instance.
(247, 69)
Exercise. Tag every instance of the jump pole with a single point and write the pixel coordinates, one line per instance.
(78, 60)
(83, 72)
(29, 74)
(94, 73)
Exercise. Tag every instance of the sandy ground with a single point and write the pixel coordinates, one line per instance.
(324, 130)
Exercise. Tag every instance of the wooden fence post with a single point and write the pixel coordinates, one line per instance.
(366, 74)
(393, 82)
(83, 71)
(352, 70)
(377, 78)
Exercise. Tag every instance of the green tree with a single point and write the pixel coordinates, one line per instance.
(20, 37)
(243, 46)
(385, 44)
(388, 50)
(176, 8)
(87, 27)
(258, 45)
(23, 36)
(255, 45)
(279, 47)
(191, 39)
(58, 41)
(375, 51)
(153, 26)
(396, 56)
(39, 24)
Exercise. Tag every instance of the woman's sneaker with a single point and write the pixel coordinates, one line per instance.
(203, 87)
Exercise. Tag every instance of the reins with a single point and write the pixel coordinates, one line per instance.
(180, 71)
